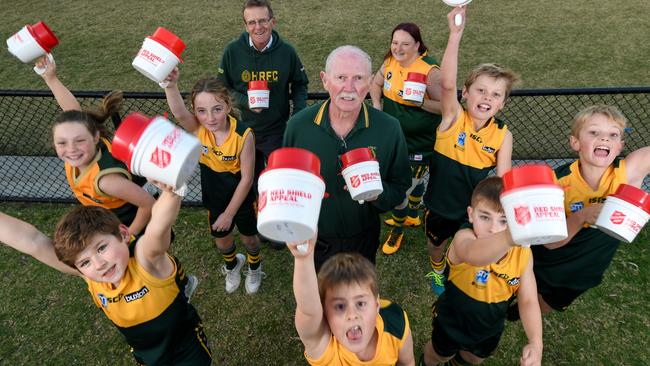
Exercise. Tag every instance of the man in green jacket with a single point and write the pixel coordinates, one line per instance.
(340, 124)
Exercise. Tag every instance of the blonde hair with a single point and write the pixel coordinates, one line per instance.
(609, 111)
(494, 71)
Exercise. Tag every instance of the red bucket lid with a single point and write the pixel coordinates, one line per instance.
(170, 41)
(416, 77)
(528, 175)
(357, 156)
(634, 196)
(294, 158)
(43, 36)
(127, 136)
(258, 85)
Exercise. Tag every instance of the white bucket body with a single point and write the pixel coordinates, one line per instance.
(363, 180)
(621, 219)
(258, 98)
(289, 204)
(414, 91)
(24, 46)
(154, 60)
(535, 214)
(165, 153)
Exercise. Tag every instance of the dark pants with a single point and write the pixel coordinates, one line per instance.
(366, 243)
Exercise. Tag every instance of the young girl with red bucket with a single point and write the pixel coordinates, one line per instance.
(227, 167)
(81, 141)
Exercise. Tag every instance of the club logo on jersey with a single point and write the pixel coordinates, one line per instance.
(576, 206)
(108, 300)
(205, 150)
(489, 150)
(389, 75)
(386, 85)
(136, 294)
(513, 281)
(261, 201)
(522, 214)
(355, 181)
(481, 278)
(461, 139)
(103, 300)
(617, 217)
(245, 76)
(229, 158)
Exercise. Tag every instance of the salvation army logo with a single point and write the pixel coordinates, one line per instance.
(160, 158)
(355, 181)
(251, 100)
(261, 201)
(522, 214)
(408, 91)
(617, 217)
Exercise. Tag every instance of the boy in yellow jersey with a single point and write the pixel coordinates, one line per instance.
(339, 316)
(566, 269)
(470, 142)
(136, 284)
(487, 270)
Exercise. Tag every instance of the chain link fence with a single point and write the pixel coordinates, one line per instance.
(539, 120)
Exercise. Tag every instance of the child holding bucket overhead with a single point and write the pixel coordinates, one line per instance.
(81, 141)
(487, 269)
(339, 316)
(470, 142)
(227, 166)
(566, 269)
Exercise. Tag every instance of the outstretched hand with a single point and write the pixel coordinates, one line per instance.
(172, 79)
(530, 356)
(47, 65)
(456, 19)
(302, 250)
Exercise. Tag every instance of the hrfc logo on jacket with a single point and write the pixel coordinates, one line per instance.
(268, 75)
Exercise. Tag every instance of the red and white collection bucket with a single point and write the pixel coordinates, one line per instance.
(258, 94)
(624, 213)
(360, 170)
(290, 194)
(156, 149)
(534, 205)
(32, 42)
(415, 87)
(159, 54)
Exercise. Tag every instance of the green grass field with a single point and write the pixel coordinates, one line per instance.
(48, 318)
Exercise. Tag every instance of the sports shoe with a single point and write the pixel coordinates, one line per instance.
(233, 276)
(254, 279)
(409, 222)
(190, 287)
(437, 282)
(392, 243)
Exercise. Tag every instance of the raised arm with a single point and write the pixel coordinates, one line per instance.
(25, 238)
(176, 104)
(151, 250)
(247, 158)
(376, 88)
(310, 323)
(63, 96)
(638, 166)
(433, 104)
(467, 248)
(531, 317)
(117, 185)
(451, 108)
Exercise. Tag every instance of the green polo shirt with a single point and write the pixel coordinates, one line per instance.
(340, 216)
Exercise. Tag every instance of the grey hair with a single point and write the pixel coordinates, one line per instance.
(348, 49)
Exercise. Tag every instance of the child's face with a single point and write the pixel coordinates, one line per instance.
(486, 220)
(485, 97)
(105, 258)
(210, 111)
(351, 312)
(74, 144)
(599, 141)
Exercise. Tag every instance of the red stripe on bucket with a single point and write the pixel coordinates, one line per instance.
(294, 158)
(357, 156)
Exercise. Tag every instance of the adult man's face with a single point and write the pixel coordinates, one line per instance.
(347, 81)
(258, 25)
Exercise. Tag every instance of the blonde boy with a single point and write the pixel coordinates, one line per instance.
(339, 316)
(566, 269)
(487, 270)
(470, 142)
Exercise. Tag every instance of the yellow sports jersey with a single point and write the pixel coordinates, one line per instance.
(84, 183)
(395, 76)
(462, 158)
(474, 304)
(225, 157)
(581, 263)
(392, 328)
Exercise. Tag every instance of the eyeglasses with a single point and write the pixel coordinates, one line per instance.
(260, 22)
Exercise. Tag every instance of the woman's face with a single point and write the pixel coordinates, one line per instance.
(74, 144)
(403, 47)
